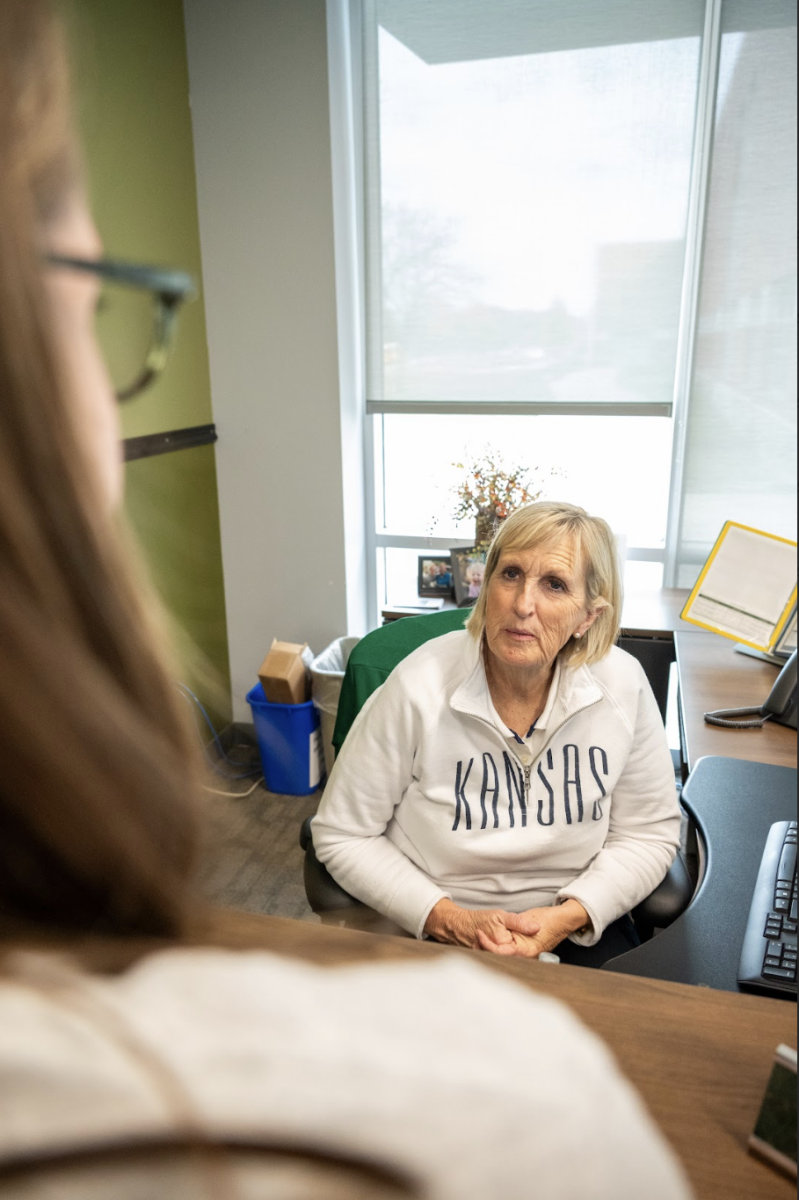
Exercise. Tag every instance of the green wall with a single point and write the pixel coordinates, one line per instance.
(132, 94)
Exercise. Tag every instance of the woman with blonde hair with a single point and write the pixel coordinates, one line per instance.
(197, 1072)
(509, 788)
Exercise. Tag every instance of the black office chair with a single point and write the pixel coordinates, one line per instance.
(369, 664)
(335, 906)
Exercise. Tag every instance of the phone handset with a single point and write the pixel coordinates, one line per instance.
(780, 705)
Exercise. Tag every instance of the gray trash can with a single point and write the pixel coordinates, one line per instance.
(327, 672)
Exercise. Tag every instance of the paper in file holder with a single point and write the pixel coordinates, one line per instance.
(746, 591)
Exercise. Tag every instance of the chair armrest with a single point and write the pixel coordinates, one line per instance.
(324, 894)
(669, 899)
(305, 833)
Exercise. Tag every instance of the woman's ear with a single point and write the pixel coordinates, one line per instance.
(592, 615)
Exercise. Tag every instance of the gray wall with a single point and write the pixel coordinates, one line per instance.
(260, 113)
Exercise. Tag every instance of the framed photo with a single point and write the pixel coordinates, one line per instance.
(435, 576)
(468, 569)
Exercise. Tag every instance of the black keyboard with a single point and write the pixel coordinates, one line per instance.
(768, 957)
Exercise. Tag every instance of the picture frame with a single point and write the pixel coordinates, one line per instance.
(468, 566)
(435, 576)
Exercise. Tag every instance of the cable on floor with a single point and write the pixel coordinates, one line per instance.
(235, 795)
(190, 697)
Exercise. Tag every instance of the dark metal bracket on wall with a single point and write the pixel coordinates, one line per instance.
(152, 444)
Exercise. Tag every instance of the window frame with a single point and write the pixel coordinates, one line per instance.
(363, 81)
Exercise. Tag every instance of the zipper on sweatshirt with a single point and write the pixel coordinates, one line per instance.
(528, 767)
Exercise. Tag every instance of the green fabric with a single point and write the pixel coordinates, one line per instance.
(376, 656)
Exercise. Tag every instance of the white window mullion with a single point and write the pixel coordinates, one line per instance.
(689, 304)
(372, 189)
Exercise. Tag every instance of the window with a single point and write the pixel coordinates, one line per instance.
(599, 462)
(556, 265)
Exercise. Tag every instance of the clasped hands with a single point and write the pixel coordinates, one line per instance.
(525, 935)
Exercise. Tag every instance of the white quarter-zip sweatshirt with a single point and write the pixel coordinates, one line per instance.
(433, 797)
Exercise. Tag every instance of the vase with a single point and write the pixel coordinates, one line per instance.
(485, 526)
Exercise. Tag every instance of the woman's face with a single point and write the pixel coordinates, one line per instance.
(73, 296)
(535, 603)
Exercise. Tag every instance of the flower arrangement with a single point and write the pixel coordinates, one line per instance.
(490, 490)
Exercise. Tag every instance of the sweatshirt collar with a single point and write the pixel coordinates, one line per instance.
(572, 689)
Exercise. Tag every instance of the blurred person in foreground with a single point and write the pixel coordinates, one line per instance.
(198, 1071)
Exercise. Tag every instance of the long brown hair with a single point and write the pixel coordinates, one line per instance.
(98, 773)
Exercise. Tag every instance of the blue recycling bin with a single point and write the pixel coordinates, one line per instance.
(290, 743)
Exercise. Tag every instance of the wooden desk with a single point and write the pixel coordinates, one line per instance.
(699, 1058)
(654, 614)
(713, 675)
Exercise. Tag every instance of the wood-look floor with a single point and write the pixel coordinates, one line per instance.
(253, 859)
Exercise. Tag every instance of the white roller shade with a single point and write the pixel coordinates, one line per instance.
(740, 461)
(527, 172)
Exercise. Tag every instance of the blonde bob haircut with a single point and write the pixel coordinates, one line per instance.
(544, 524)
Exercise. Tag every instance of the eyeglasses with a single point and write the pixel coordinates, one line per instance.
(136, 317)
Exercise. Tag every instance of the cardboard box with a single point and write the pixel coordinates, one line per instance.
(282, 674)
